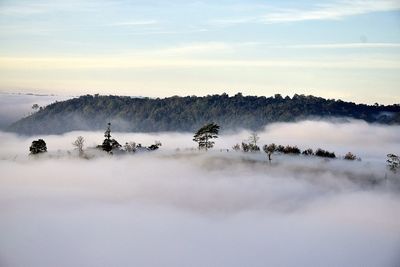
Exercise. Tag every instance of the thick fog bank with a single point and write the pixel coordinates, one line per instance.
(186, 208)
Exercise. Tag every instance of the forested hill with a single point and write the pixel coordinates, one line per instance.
(189, 113)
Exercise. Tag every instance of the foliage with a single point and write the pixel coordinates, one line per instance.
(236, 147)
(250, 147)
(155, 146)
(38, 146)
(269, 149)
(324, 154)
(253, 139)
(308, 152)
(190, 113)
(393, 162)
(108, 143)
(35, 107)
(205, 135)
(350, 156)
(280, 149)
(130, 147)
(291, 150)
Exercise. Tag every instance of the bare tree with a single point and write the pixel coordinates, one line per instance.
(253, 138)
(78, 144)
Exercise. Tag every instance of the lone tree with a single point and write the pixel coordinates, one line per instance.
(205, 135)
(38, 146)
(270, 149)
(78, 144)
(108, 143)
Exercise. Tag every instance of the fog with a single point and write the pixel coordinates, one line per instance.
(188, 208)
(16, 106)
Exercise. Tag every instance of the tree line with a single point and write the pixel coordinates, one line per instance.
(191, 112)
(204, 137)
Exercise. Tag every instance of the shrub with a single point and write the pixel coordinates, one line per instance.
(324, 154)
(308, 152)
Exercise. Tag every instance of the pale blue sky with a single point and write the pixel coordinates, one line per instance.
(335, 49)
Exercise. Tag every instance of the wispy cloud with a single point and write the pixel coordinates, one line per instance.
(345, 45)
(328, 11)
(134, 23)
(36, 63)
(331, 11)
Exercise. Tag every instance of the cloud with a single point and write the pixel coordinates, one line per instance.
(134, 23)
(16, 106)
(331, 11)
(345, 45)
(142, 61)
(202, 209)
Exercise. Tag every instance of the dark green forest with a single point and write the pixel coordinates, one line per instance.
(92, 112)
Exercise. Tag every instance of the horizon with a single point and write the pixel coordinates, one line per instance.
(68, 97)
(338, 49)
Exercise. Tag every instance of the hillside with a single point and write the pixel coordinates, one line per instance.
(188, 113)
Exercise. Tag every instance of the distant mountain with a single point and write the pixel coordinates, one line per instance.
(189, 113)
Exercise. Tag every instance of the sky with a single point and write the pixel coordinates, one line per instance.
(335, 49)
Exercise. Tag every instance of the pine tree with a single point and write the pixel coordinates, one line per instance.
(205, 135)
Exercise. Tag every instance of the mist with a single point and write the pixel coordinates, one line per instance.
(16, 106)
(189, 208)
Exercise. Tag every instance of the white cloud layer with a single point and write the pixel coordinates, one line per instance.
(187, 208)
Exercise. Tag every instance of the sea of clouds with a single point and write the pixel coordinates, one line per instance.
(188, 208)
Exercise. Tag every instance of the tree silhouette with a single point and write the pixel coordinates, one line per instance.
(38, 146)
(108, 143)
(270, 149)
(205, 135)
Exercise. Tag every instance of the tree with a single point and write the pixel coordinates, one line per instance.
(236, 147)
(324, 154)
(205, 135)
(38, 146)
(270, 149)
(35, 107)
(291, 150)
(308, 152)
(245, 147)
(108, 143)
(393, 162)
(155, 146)
(253, 138)
(130, 147)
(350, 156)
(78, 144)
